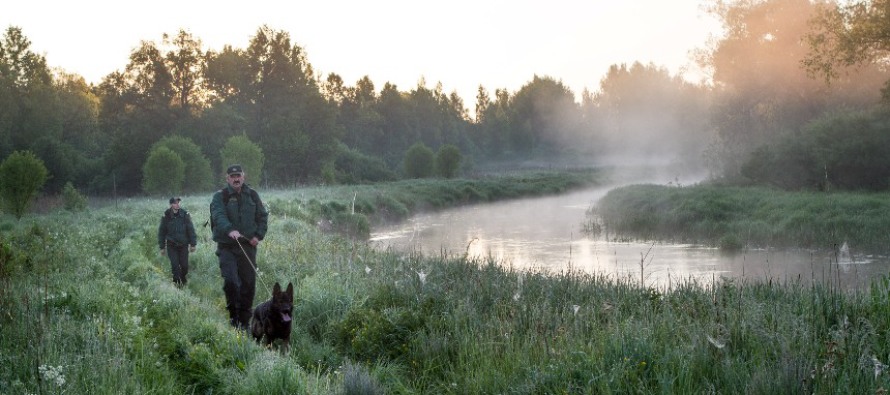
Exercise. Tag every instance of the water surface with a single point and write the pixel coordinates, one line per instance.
(545, 234)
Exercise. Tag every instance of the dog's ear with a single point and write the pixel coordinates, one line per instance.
(276, 289)
(290, 290)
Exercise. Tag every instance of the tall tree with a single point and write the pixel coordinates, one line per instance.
(848, 35)
(358, 116)
(761, 91)
(293, 122)
(493, 125)
(228, 76)
(540, 113)
(29, 110)
(135, 113)
(24, 67)
(186, 65)
(397, 135)
(643, 111)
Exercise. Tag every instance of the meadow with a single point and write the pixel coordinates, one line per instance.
(87, 306)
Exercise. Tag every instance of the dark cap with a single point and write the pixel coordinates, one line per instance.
(234, 169)
(174, 200)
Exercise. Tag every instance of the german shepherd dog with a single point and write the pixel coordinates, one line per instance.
(272, 318)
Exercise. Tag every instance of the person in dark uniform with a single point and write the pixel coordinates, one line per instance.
(176, 239)
(239, 222)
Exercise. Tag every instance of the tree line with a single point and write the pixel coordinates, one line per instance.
(784, 73)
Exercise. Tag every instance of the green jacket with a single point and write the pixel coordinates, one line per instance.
(244, 211)
(176, 229)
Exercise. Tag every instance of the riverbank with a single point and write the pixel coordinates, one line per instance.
(735, 218)
(351, 209)
(87, 306)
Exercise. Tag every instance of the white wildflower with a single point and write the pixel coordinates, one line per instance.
(422, 276)
(51, 374)
(879, 367)
(367, 270)
(716, 342)
(575, 308)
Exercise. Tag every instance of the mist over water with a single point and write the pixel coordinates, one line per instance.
(546, 234)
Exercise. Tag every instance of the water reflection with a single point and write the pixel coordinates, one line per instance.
(546, 234)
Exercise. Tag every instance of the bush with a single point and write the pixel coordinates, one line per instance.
(239, 149)
(353, 167)
(845, 151)
(163, 172)
(448, 161)
(73, 200)
(419, 161)
(23, 176)
(198, 177)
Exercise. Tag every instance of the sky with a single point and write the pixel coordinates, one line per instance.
(462, 44)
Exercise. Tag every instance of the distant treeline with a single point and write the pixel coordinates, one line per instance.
(750, 121)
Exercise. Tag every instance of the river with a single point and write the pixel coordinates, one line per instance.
(546, 234)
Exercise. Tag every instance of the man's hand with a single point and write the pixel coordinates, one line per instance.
(235, 234)
(191, 248)
(254, 241)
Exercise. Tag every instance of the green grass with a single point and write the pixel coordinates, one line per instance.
(84, 297)
(734, 217)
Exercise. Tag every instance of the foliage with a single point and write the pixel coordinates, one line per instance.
(354, 167)
(448, 161)
(198, 176)
(73, 200)
(239, 149)
(99, 137)
(643, 110)
(848, 34)
(419, 161)
(763, 93)
(845, 151)
(23, 176)
(542, 112)
(163, 172)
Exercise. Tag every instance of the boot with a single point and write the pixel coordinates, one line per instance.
(244, 319)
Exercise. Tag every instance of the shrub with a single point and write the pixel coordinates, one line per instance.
(23, 176)
(419, 161)
(163, 172)
(239, 149)
(845, 151)
(73, 200)
(353, 167)
(381, 328)
(198, 176)
(448, 161)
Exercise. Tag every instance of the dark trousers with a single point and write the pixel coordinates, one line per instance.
(179, 263)
(239, 281)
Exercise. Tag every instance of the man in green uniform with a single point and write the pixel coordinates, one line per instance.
(176, 238)
(240, 221)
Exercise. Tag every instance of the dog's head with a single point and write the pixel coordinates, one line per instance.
(283, 301)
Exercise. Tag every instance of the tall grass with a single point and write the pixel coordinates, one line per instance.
(735, 217)
(89, 307)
